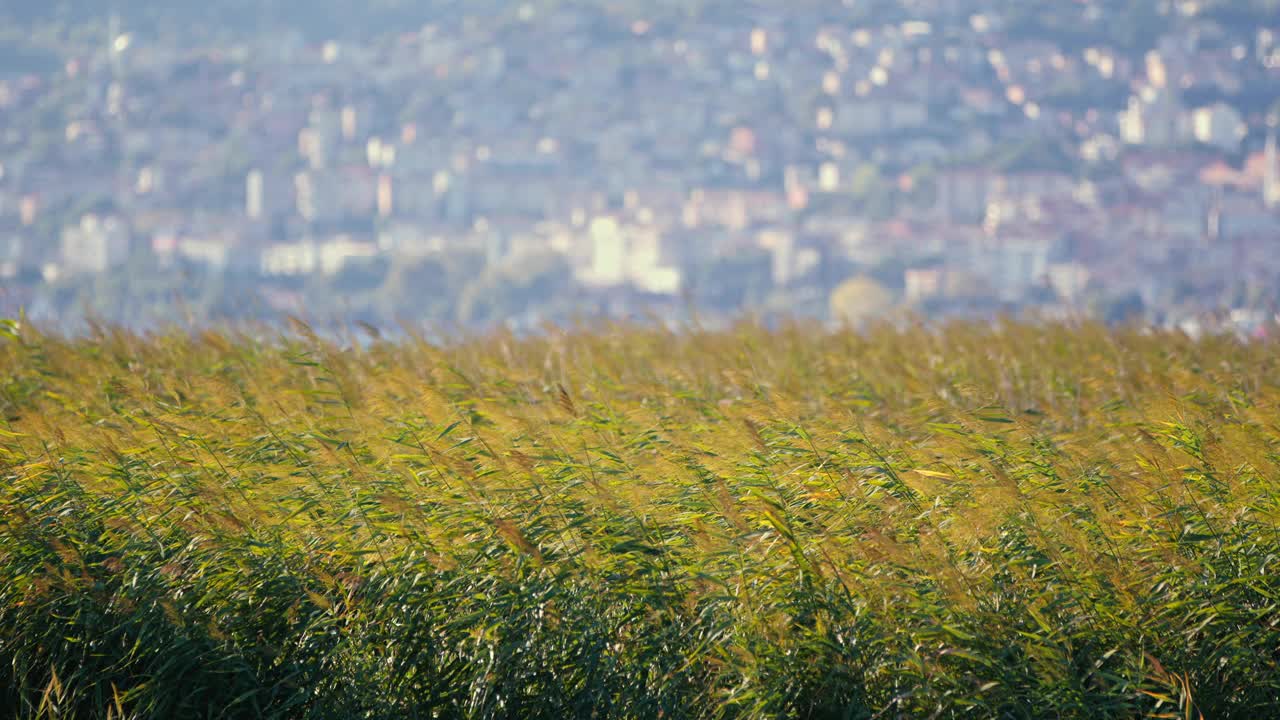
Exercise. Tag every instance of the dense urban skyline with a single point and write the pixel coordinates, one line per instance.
(473, 164)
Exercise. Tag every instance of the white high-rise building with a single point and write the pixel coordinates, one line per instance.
(782, 250)
(253, 195)
(117, 43)
(608, 252)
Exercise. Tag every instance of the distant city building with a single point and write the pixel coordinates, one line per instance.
(755, 157)
(1154, 117)
(608, 253)
(386, 196)
(1219, 125)
(254, 192)
(921, 284)
(94, 245)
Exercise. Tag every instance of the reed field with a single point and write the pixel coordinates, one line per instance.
(965, 521)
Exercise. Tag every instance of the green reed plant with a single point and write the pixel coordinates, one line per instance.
(1008, 521)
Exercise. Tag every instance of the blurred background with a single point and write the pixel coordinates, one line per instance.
(482, 162)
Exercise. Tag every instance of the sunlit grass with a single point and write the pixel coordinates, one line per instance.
(1025, 521)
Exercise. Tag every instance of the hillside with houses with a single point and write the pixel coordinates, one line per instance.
(470, 162)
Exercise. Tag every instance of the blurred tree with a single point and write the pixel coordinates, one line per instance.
(361, 275)
(1122, 308)
(865, 181)
(513, 287)
(737, 280)
(861, 299)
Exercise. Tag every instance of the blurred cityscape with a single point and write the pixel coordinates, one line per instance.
(486, 162)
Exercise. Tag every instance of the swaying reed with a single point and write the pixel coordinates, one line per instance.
(967, 522)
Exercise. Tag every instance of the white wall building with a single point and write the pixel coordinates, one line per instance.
(254, 195)
(1068, 279)
(94, 245)
(1154, 117)
(628, 254)
(1219, 125)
